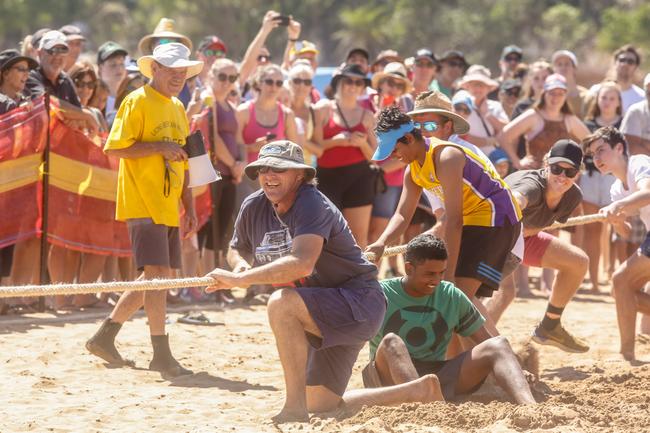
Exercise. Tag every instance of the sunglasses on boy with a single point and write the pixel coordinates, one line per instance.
(569, 172)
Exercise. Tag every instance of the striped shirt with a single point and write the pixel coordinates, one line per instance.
(487, 199)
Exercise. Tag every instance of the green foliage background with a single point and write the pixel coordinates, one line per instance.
(478, 27)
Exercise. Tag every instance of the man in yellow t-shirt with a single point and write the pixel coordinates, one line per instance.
(148, 135)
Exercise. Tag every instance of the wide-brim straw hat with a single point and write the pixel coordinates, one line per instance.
(164, 29)
(394, 70)
(436, 102)
(478, 73)
(172, 55)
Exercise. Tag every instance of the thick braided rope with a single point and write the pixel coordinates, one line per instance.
(145, 285)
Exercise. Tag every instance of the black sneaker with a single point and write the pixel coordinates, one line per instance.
(560, 338)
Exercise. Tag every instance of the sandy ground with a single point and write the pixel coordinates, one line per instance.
(50, 384)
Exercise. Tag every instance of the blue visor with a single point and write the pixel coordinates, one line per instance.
(386, 140)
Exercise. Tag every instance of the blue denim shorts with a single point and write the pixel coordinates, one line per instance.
(385, 203)
(347, 318)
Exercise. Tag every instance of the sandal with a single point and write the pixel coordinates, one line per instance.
(199, 319)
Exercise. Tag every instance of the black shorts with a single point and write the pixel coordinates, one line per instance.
(223, 206)
(423, 214)
(483, 254)
(645, 246)
(349, 186)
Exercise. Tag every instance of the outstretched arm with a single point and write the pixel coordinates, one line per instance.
(250, 58)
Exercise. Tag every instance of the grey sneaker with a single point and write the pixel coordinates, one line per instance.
(560, 338)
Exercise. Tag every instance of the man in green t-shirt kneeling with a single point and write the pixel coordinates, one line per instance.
(423, 312)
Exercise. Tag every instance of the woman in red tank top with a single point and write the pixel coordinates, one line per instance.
(343, 130)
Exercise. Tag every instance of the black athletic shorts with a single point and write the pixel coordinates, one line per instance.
(348, 186)
(483, 254)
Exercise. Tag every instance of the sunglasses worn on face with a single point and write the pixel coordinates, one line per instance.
(511, 59)
(299, 81)
(570, 172)
(213, 53)
(456, 63)
(395, 84)
(57, 50)
(429, 126)
(424, 64)
(87, 84)
(628, 60)
(352, 82)
(163, 41)
(269, 82)
(265, 170)
(462, 108)
(232, 78)
(21, 69)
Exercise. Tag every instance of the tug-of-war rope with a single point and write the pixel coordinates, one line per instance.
(178, 283)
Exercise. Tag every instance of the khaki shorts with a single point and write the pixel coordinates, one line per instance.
(154, 244)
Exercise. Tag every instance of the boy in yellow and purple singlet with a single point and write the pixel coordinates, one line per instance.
(483, 218)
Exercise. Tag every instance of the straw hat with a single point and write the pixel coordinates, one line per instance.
(436, 102)
(164, 29)
(394, 70)
(479, 73)
(171, 55)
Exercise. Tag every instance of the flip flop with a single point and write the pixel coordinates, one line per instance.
(199, 319)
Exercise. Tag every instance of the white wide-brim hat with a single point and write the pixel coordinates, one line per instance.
(171, 55)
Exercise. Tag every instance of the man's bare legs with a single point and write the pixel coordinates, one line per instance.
(627, 279)
(289, 320)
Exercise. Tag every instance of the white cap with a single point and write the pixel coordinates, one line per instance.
(171, 55)
(51, 39)
(646, 81)
(565, 53)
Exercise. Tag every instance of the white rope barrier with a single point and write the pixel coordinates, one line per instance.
(178, 283)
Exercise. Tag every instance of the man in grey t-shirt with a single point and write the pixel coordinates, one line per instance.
(636, 123)
(546, 196)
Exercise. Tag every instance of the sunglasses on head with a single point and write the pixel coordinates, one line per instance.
(570, 172)
(513, 92)
(57, 50)
(213, 53)
(265, 170)
(429, 126)
(87, 84)
(223, 77)
(628, 60)
(359, 82)
(299, 81)
(269, 82)
(395, 84)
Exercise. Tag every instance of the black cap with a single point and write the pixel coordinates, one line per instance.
(566, 150)
(72, 32)
(512, 49)
(108, 50)
(358, 50)
(10, 57)
(425, 53)
(350, 70)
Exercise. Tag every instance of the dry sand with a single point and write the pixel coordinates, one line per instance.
(50, 384)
